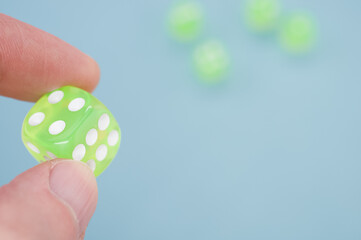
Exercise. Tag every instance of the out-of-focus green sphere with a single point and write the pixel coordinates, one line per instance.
(186, 20)
(211, 61)
(298, 33)
(262, 15)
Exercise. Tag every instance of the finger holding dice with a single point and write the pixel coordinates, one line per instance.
(34, 62)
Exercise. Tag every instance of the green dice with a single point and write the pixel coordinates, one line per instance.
(262, 15)
(70, 123)
(211, 61)
(298, 33)
(186, 20)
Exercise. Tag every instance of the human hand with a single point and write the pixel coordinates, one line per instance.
(56, 199)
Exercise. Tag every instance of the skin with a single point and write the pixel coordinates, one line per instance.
(56, 199)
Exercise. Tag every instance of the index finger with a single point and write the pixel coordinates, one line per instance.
(33, 62)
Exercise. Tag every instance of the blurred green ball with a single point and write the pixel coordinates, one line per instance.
(298, 33)
(262, 15)
(186, 20)
(211, 61)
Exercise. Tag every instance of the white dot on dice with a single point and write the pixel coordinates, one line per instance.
(91, 164)
(76, 104)
(57, 127)
(79, 152)
(36, 119)
(101, 152)
(113, 138)
(51, 155)
(33, 148)
(103, 122)
(91, 137)
(55, 97)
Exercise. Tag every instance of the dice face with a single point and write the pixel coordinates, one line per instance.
(70, 123)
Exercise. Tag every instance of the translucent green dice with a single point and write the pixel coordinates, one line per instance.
(70, 123)
(186, 20)
(298, 33)
(211, 61)
(262, 15)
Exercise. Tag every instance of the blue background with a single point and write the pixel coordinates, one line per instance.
(274, 153)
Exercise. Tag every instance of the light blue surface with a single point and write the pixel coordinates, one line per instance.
(272, 154)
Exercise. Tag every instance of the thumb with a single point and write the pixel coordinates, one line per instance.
(53, 200)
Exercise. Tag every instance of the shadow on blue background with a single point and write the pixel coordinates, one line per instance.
(272, 154)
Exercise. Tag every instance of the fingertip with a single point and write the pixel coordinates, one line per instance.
(91, 73)
(74, 183)
(87, 78)
(34, 62)
(61, 194)
(95, 73)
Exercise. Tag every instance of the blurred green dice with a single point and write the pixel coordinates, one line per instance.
(211, 61)
(298, 33)
(262, 15)
(70, 123)
(186, 20)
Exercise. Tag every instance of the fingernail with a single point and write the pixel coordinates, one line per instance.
(74, 183)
